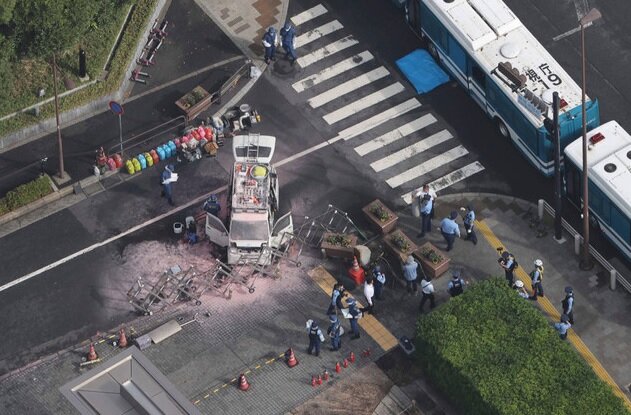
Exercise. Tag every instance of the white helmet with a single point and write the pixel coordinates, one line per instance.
(538, 263)
(519, 284)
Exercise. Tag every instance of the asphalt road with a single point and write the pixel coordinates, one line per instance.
(69, 303)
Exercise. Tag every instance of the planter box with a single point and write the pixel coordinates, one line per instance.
(395, 250)
(202, 104)
(431, 269)
(383, 226)
(336, 250)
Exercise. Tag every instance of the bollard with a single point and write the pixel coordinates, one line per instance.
(613, 274)
(577, 244)
(540, 203)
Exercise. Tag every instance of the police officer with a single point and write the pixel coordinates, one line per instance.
(409, 273)
(166, 180)
(537, 276)
(425, 207)
(507, 261)
(212, 206)
(369, 294)
(563, 326)
(427, 291)
(468, 220)
(336, 298)
(379, 281)
(568, 304)
(270, 40)
(450, 230)
(315, 337)
(288, 36)
(456, 285)
(335, 332)
(355, 314)
(519, 288)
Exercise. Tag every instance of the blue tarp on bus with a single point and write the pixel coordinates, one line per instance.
(422, 71)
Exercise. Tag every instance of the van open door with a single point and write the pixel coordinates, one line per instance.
(283, 225)
(216, 231)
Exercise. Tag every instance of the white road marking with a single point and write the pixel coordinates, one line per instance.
(331, 71)
(307, 15)
(449, 179)
(411, 151)
(363, 103)
(370, 123)
(427, 166)
(348, 86)
(317, 33)
(396, 134)
(328, 50)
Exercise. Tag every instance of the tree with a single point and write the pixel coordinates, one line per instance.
(6, 10)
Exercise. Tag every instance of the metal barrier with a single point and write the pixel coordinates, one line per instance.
(615, 276)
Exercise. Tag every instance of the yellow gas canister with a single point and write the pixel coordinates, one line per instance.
(149, 159)
(137, 166)
(130, 167)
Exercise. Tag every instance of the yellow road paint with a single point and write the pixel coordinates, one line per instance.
(216, 390)
(246, 372)
(196, 402)
(233, 380)
(257, 366)
(206, 396)
(270, 361)
(380, 334)
(547, 306)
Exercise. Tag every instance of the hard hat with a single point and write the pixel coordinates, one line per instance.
(519, 284)
(565, 318)
(568, 289)
(538, 263)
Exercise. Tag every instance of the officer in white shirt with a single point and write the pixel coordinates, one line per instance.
(369, 293)
(427, 290)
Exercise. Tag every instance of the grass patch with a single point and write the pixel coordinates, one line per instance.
(25, 194)
(497, 354)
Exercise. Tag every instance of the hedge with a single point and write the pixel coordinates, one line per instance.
(25, 194)
(492, 352)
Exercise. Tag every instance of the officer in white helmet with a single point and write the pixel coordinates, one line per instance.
(518, 286)
(537, 277)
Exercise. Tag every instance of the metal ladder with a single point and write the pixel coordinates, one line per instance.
(252, 153)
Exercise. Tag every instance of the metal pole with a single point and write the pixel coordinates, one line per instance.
(120, 133)
(558, 204)
(59, 141)
(585, 262)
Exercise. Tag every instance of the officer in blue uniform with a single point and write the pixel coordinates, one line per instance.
(537, 277)
(355, 314)
(468, 220)
(212, 205)
(335, 332)
(563, 326)
(288, 36)
(568, 304)
(315, 337)
(508, 262)
(336, 298)
(379, 279)
(425, 207)
(270, 40)
(450, 230)
(165, 179)
(456, 285)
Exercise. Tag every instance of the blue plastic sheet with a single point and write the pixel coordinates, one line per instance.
(422, 71)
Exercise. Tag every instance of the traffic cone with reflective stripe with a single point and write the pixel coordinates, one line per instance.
(357, 273)
(319, 381)
(92, 353)
(345, 363)
(291, 358)
(313, 381)
(351, 357)
(243, 383)
(338, 368)
(325, 376)
(122, 338)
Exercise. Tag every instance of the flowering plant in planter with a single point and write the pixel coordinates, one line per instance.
(432, 256)
(400, 242)
(339, 240)
(379, 211)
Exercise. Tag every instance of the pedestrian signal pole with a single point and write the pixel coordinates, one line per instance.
(558, 200)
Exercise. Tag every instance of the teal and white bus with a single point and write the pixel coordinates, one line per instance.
(609, 186)
(506, 71)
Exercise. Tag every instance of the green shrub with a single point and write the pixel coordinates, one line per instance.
(494, 353)
(25, 194)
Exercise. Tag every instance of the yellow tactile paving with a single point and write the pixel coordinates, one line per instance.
(379, 333)
(554, 314)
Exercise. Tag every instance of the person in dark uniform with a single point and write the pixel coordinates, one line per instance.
(537, 278)
(355, 314)
(507, 261)
(568, 304)
(468, 219)
(336, 298)
(450, 230)
(288, 36)
(315, 337)
(456, 285)
(563, 326)
(167, 179)
(335, 332)
(270, 40)
(212, 206)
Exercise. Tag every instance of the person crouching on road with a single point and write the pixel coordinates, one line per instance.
(270, 41)
(379, 281)
(315, 337)
(167, 182)
(563, 326)
(518, 286)
(369, 293)
(537, 276)
(468, 219)
(456, 285)
(427, 290)
(450, 229)
(409, 273)
(354, 315)
(335, 332)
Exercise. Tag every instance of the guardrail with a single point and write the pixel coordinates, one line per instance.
(615, 276)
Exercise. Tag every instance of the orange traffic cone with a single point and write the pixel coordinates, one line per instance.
(313, 381)
(319, 380)
(338, 368)
(357, 273)
(351, 357)
(345, 363)
(291, 358)
(92, 353)
(122, 339)
(243, 383)
(366, 353)
(325, 377)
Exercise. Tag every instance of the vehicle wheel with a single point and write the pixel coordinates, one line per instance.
(431, 48)
(298, 264)
(503, 129)
(198, 302)
(251, 290)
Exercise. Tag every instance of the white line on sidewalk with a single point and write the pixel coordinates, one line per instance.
(328, 50)
(449, 179)
(411, 151)
(396, 134)
(427, 166)
(307, 15)
(348, 86)
(317, 33)
(363, 103)
(376, 120)
(331, 71)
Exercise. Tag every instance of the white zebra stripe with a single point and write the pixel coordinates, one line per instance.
(325, 52)
(411, 151)
(427, 166)
(317, 33)
(307, 15)
(394, 135)
(448, 179)
(348, 86)
(363, 103)
(334, 70)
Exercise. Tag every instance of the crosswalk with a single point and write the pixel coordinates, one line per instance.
(358, 97)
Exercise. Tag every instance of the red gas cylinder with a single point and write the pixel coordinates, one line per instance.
(111, 164)
(154, 156)
(201, 132)
(195, 134)
(185, 139)
(209, 133)
(118, 160)
(178, 143)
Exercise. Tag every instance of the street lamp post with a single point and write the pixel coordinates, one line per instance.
(585, 258)
(59, 141)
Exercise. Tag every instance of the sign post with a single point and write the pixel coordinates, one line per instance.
(117, 109)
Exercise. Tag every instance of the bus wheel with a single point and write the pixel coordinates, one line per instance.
(431, 48)
(503, 129)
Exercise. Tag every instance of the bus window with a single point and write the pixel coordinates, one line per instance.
(620, 224)
(478, 76)
(599, 203)
(457, 54)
